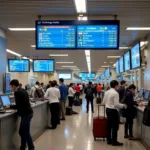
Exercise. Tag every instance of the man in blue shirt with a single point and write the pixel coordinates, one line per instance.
(63, 97)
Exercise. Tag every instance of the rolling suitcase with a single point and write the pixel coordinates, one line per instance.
(68, 111)
(77, 103)
(98, 100)
(100, 126)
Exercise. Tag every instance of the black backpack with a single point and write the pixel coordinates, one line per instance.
(89, 92)
(39, 93)
(146, 116)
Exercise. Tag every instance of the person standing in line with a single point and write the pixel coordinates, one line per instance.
(99, 89)
(33, 89)
(63, 97)
(53, 95)
(25, 111)
(81, 88)
(89, 92)
(77, 89)
(130, 112)
(71, 93)
(111, 101)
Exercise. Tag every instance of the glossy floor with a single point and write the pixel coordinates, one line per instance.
(76, 134)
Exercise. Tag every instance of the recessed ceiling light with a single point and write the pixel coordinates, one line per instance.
(21, 29)
(83, 18)
(113, 56)
(105, 66)
(80, 6)
(64, 62)
(138, 28)
(25, 58)
(105, 62)
(58, 55)
(111, 62)
(33, 46)
(124, 47)
(13, 53)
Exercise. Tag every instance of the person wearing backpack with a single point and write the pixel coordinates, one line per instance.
(89, 91)
(33, 89)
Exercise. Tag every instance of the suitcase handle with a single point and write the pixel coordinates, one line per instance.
(104, 109)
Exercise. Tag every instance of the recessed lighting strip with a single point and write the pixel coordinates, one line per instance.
(80, 6)
(21, 29)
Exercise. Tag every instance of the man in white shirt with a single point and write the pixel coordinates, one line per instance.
(53, 95)
(81, 88)
(33, 89)
(111, 101)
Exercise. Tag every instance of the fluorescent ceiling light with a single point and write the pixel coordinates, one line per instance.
(87, 52)
(124, 47)
(58, 55)
(138, 28)
(143, 43)
(69, 66)
(31, 60)
(83, 18)
(105, 66)
(33, 46)
(80, 6)
(75, 69)
(111, 62)
(21, 29)
(64, 62)
(25, 58)
(105, 62)
(13, 53)
(113, 56)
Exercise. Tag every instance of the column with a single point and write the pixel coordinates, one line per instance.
(140, 74)
(113, 74)
(3, 58)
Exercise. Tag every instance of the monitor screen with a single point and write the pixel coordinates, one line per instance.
(136, 56)
(102, 76)
(43, 65)
(117, 67)
(127, 61)
(87, 75)
(120, 78)
(5, 100)
(141, 92)
(18, 65)
(107, 73)
(73, 34)
(65, 76)
(146, 95)
(121, 65)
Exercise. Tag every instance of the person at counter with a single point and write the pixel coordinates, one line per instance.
(53, 95)
(33, 89)
(130, 112)
(25, 111)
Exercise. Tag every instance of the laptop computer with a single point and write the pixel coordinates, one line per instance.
(6, 102)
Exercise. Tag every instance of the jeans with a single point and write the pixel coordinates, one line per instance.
(90, 101)
(112, 125)
(77, 95)
(70, 101)
(99, 94)
(129, 126)
(24, 132)
(55, 114)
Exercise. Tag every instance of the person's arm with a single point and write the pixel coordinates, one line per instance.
(72, 91)
(60, 89)
(17, 101)
(58, 94)
(116, 102)
(46, 94)
(85, 90)
(104, 99)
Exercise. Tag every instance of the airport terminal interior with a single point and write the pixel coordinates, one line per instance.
(49, 44)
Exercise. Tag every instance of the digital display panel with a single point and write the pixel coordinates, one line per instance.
(43, 65)
(140, 94)
(97, 36)
(73, 34)
(86, 75)
(102, 76)
(107, 73)
(18, 65)
(136, 56)
(65, 76)
(121, 65)
(146, 94)
(117, 67)
(127, 61)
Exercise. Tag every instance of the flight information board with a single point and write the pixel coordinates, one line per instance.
(107, 73)
(43, 65)
(117, 67)
(97, 36)
(73, 34)
(127, 61)
(18, 65)
(121, 65)
(87, 75)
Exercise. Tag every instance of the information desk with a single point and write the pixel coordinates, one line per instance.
(9, 126)
(141, 131)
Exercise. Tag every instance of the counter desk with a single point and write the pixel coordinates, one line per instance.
(141, 131)
(9, 126)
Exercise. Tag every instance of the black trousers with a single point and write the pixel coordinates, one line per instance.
(24, 132)
(55, 114)
(113, 125)
(129, 126)
(70, 101)
(77, 95)
(88, 102)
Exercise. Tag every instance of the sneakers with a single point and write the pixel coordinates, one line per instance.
(117, 144)
(126, 136)
(132, 138)
(63, 119)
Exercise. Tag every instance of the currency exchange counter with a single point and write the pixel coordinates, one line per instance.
(141, 131)
(9, 126)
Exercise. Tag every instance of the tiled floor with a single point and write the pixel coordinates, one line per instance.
(76, 134)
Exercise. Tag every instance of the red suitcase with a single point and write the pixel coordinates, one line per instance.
(100, 125)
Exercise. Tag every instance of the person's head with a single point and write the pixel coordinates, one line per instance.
(61, 80)
(20, 85)
(90, 83)
(123, 83)
(37, 83)
(132, 88)
(50, 82)
(42, 84)
(77, 84)
(99, 84)
(53, 84)
(71, 85)
(114, 84)
(14, 84)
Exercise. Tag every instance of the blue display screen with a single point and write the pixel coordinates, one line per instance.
(136, 56)
(120, 78)
(97, 36)
(102, 76)
(117, 67)
(87, 75)
(127, 61)
(18, 65)
(107, 73)
(56, 36)
(43, 65)
(146, 95)
(121, 65)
